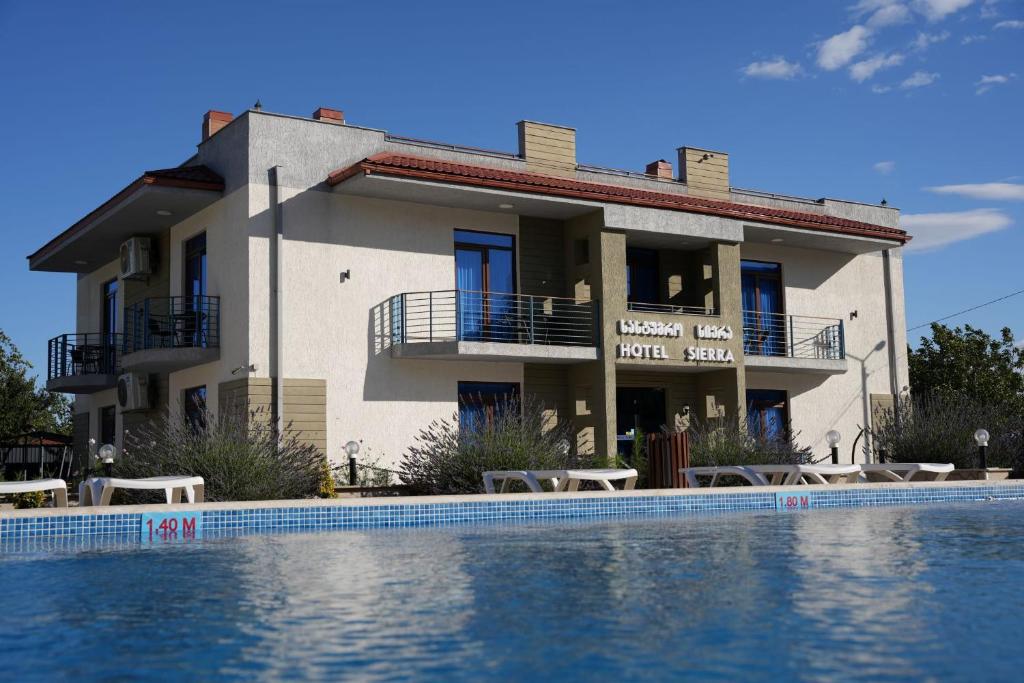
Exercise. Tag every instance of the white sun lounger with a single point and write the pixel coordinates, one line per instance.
(716, 473)
(906, 471)
(790, 475)
(561, 480)
(58, 486)
(97, 490)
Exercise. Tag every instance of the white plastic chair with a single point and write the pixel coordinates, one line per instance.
(98, 490)
(58, 486)
(906, 471)
(719, 471)
(561, 480)
(789, 475)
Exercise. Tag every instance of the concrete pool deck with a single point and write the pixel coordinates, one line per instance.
(216, 519)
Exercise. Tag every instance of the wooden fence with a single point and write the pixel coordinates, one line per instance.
(666, 454)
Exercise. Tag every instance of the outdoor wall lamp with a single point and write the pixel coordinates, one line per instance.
(106, 455)
(346, 275)
(352, 447)
(981, 438)
(833, 437)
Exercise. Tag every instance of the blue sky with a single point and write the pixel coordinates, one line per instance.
(916, 101)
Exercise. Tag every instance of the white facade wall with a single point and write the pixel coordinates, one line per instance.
(832, 285)
(389, 247)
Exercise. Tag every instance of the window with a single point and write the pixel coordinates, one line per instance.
(485, 276)
(108, 425)
(195, 407)
(109, 328)
(195, 313)
(764, 325)
(642, 276)
(479, 402)
(195, 266)
(767, 414)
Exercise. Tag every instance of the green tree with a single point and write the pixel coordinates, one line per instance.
(23, 407)
(968, 364)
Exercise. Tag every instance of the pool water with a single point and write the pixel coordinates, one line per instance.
(911, 593)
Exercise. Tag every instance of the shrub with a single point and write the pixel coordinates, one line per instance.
(238, 458)
(450, 458)
(941, 429)
(724, 441)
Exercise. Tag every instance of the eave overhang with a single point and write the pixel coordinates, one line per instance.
(95, 239)
(440, 172)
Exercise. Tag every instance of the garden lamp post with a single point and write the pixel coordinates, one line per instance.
(833, 438)
(352, 447)
(106, 455)
(981, 438)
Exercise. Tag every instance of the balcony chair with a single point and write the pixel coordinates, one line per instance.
(161, 333)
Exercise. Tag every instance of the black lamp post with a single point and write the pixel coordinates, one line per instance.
(833, 438)
(352, 447)
(981, 438)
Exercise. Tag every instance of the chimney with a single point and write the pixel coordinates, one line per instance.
(214, 121)
(548, 149)
(705, 172)
(329, 115)
(660, 169)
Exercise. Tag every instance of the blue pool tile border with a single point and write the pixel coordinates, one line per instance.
(123, 527)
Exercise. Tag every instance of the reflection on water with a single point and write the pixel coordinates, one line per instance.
(866, 594)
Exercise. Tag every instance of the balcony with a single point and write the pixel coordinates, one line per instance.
(82, 363)
(170, 333)
(775, 341)
(671, 309)
(467, 325)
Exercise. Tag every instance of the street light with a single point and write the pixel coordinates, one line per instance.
(106, 456)
(981, 438)
(833, 438)
(352, 447)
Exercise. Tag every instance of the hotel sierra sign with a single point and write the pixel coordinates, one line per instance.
(653, 328)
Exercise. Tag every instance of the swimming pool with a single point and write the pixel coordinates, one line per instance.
(891, 593)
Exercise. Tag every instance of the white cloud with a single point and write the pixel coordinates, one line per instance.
(989, 9)
(986, 83)
(862, 71)
(935, 10)
(880, 89)
(976, 38)
(840, 49)
(919, 79)
(998, 191)
(889, 15)
(1010, 23)
(934, 230)
(777, 68)
(885, 167)
(923, 40)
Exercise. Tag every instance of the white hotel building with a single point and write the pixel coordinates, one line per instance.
(355, 283)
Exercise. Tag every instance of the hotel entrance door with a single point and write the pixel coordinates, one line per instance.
(637, 408)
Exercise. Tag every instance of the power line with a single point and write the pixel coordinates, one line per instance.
(967, 310)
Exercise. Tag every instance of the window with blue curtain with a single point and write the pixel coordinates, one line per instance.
(479, 402)
(486, 284)
(767, 414)
(764, 327)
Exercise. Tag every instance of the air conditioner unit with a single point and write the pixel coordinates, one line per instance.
(135, 253)
(133, 391)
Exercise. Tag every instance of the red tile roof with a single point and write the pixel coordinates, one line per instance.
(190, 177)
(406, 166)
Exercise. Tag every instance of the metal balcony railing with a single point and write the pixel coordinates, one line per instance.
(74, 355)
(460, 315)
(172, 322)
(672, 309)
(793, 336)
